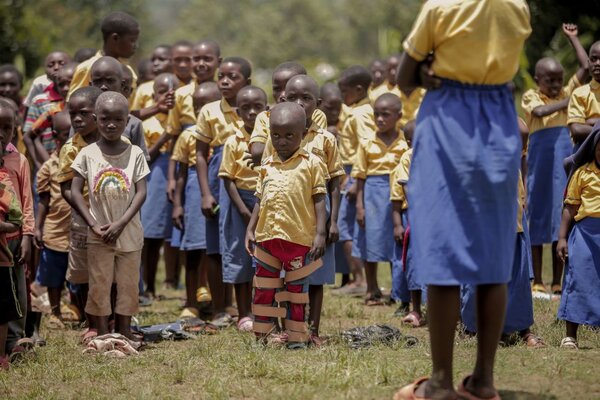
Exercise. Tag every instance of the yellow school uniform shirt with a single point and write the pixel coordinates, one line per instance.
(58, 219)
(474, 41)
(143, 97)
(182, 115)
(262, 127)
(584, 191)
(584, 103)
(153, 129)
(533, 98)
(67, 155)
(359, 126)
(375, 92)
(82, 74)
(233, 166)
(322, 143)
(344, 112)
(399, 178)
(285, 190)
(374, 157)
(185, 148)
(411, 104)
(216, 122)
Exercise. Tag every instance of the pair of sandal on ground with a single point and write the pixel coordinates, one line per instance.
(408, 392)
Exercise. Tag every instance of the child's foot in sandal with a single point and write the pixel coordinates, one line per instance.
(245, 324)
(569, 343)
(468, 394)
(414, 319)
(533, 341)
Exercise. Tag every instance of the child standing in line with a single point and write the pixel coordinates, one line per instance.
(549, 144)
(191, 224)
(53, 63)
(287, 228)
(81, 111)
(579, 247)
(217, 121)
(240, 184)
(403, 276)
(11, 308)
(464, 175)
(378, 85)
(375, 160)
(52, 223)
(114, 172)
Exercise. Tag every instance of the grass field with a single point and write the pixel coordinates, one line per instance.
(230, 365)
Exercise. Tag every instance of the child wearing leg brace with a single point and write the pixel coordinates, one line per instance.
(287, 228)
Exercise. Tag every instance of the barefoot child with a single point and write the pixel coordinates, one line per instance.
(190, 223)
(464, 176)
(81, 111)
(11, 221)
(217, 121)
(52, 223)
(287, 227)
(114, 171)
(549, 144)
(579, 247)
(240, 183)
(375, 159)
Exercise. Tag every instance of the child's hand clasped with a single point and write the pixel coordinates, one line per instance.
(318, 247)
(112, 231)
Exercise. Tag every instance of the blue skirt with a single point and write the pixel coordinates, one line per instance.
(546, 182)
(580, 302)
(347, 212)
(237, 264)
(463, 185)
(519, 309)
(341, 264)
(400, 285)
(326, 274)
(218, 191)
(194, 223)
(156, 212)
(175, 240)
(375, 243)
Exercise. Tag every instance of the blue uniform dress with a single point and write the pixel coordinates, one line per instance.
(464, 176)
(519, 308)
(375, 242)
(194, 224)
(237, 263)
(213, 235)
(400, 285)
(546, 182)
(156, 212)
(580, 302)
(326, 274)
(347, 212)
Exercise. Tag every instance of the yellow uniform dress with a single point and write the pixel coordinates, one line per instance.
(262, 130)
(182, 115)
(584, 103)
(359, 126)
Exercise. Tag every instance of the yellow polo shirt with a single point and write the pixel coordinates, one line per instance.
(286, 190)
(584, 191)
(182, 113)
(185, 148)
(216, 122)
(410, 105)
(584, 103)
(82, 74)
(375, 92)
(143, 97)
(153, 129)
(533, 98)
(374, 157)
(262, 127)
(360, 125)
(233, 166)
(474, 41)
(399, 178)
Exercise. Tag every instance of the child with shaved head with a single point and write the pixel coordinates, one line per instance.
(114, 171)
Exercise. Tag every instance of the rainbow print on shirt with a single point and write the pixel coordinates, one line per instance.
(111, 182)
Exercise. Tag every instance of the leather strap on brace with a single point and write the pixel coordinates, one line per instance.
(267, 283)
(303, 272)
(263, 327)
(268, 311)
(296, 298)
(295, 326)
(266, 258)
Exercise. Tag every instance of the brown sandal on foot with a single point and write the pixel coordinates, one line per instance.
(464, 393)
(533, 341)
(408, 392)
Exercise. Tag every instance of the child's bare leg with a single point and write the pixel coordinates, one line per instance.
(172, 265)
(102, 324)
(228, 293)
(415, 297)
(123, 325)
(443, 304)
(572, 328)
(557, 266)
(315, 295)
(243, 296)
(150, 256)
(215, 282)
(192, 262)
(536, 257)
(3, 336)
(54, 298)
(355, 264)
(371, 274)
(203, 275)
(491, 310)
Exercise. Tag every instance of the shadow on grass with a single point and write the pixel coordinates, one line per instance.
(521, 395)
